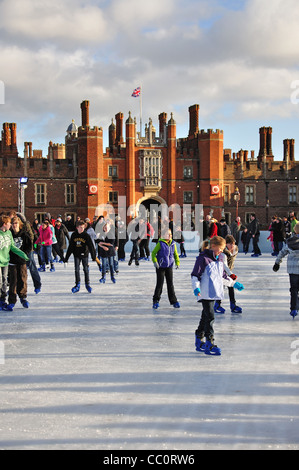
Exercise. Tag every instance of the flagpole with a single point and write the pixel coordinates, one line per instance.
(140, 96)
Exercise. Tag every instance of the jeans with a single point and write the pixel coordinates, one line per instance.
(17, 282)
(3, 281)
(205, 327)
(85, 265)
(108, 262)
(33, 271)
(294, 288)
(46, 254)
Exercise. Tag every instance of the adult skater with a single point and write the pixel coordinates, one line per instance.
(292, 252)
(208, 277)
(164, 256)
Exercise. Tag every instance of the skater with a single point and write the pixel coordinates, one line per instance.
(164, 255)
(292, 252)
(45, 242)
(80, 246)
(62, 236)
(6, 247)
(107, 245)
(208, 277)
(146, 232)
(254, 233)
(228, 257)
(133, 234)
(17, 266)
(122, 240)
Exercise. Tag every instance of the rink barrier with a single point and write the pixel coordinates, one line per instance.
(192, 242)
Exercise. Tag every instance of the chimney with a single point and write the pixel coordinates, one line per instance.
(13, 133)
(193, 119)
(85, 113)
(119, 128)
(263, 143)
(162, 126)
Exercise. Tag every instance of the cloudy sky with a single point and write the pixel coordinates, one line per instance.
(239, 60)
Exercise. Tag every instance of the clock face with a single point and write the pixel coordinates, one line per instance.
(93, 189)
(215, 189)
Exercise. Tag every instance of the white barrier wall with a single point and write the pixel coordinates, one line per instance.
(192, 242)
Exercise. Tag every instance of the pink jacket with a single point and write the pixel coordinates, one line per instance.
(44, 236)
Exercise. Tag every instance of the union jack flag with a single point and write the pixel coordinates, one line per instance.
(136, 92)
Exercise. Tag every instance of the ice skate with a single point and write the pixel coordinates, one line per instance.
(176, 305)
(8, 307)
(102, 280)
(235, 309)
(218, 308)
(52, 269)
(42, 269)
(211, 349)
(294, 313)
(25, 303)
(88, 288)
(200, 345)
(76, 288)
(156, 305)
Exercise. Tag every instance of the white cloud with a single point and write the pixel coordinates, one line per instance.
(237, 63)
(66, 22)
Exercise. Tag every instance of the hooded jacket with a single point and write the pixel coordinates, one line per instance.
(292, 252)
(209, 274)
(7, 245)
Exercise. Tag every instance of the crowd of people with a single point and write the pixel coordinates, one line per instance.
(56, 240)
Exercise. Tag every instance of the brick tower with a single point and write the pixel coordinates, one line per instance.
(90, 182)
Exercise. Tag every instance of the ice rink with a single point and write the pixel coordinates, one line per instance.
(105, 371)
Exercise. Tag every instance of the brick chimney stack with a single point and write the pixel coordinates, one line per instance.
(85, 113)
(193, 119)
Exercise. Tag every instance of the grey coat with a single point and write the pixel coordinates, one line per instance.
(292, 252)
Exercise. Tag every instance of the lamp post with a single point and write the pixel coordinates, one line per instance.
(22, 185)
(237, 199)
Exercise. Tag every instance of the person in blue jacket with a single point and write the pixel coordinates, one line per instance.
(164, 256)
(208, 277)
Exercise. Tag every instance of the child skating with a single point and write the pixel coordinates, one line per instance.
(164, 256)
(80, 246)
(208, 277)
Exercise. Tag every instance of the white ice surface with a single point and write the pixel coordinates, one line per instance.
(105, 371)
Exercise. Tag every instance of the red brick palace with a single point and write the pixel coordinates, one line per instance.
(77, 176)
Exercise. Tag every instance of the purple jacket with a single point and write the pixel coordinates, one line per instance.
(209, 273)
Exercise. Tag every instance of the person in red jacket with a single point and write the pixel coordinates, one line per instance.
(45, 242)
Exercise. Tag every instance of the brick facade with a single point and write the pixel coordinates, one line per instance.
(77, 176)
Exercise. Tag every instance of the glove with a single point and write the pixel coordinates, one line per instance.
(43, 243)
(196, 291)
(35, 246)
(238, 286)
(233, 277)
(276, 267)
